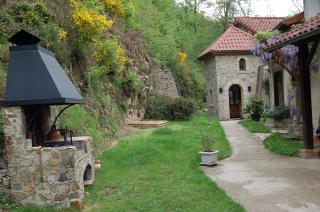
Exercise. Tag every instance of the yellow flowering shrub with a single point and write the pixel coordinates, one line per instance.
(110, 54)
(62, 34)
(182, 57)
(115, 6)
(87, 21)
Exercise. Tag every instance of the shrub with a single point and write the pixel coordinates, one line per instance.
(156, 107)
(131, 84)
(110, 54)
(162, 107)
(181, 109)
(94, 75)
(31, 15)
(88, 22)
(279, 113)
(6, 203)
(254, 108)
(182, 56)
(115, 7)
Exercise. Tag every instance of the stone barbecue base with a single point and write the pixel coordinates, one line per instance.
(46, 175)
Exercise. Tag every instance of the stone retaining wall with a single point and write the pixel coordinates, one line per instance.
(164, 83)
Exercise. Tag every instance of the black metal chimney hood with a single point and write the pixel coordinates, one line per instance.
(35, 77)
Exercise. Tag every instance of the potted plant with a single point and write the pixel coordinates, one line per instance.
(254, 108)
(281, 117)
(209, 156)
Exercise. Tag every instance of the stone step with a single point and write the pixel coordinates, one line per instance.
(147, 123)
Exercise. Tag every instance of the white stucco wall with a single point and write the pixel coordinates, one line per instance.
(287, 88)
(311, 8)
(315, 95)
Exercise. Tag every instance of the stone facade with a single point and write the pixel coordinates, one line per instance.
(164, 83)
(45, 175)
(221, 73)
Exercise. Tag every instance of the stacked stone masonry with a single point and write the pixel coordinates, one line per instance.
(221, 73)
(45, 175)
(164, 82)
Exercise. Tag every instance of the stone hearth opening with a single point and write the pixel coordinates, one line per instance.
(37, 119)
(87, 176)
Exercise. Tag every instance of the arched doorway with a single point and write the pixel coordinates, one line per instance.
(235, 101)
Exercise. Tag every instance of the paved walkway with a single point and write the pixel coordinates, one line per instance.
(262, 181)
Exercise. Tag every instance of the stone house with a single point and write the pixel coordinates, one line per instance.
(231, 69)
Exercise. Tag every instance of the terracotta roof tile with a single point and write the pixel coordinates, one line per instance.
(233, 40)
(304, 29)
(256, 24)
(236, 40)
(285, 24)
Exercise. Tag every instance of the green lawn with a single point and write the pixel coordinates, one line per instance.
(277, 144)
(255, 127)
(158, 170)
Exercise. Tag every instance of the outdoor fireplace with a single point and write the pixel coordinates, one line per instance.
(46, 165)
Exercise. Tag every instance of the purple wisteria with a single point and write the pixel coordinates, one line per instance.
(286, 56)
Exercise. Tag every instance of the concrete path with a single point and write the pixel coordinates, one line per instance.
(262, 181)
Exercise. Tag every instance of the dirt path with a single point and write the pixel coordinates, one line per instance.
(262, 181)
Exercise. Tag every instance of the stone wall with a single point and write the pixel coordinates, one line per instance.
(223, 72)
(43, 175)
(212, 89)
(164, 83)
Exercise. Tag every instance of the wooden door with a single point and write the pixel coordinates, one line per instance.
(234, 110)
(235, 101)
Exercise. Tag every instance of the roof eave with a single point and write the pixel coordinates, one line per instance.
(56, 101)
(294, 40)
(203, 56)
(222, 53)
(232, 52)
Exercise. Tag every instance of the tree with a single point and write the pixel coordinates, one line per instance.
(226, 10)
(193, 7)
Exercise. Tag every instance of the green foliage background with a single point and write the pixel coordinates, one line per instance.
(164, 28)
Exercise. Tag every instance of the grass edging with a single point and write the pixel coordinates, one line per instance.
(254, 127)
(279, 145)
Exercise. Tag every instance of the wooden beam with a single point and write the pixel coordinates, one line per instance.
(313, 50)
(306, 104)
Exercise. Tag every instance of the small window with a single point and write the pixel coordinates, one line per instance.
(242, 64)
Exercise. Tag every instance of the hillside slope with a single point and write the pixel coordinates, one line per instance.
(108, 47)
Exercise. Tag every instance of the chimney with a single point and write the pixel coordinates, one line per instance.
(34, 75)
(311, 8)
